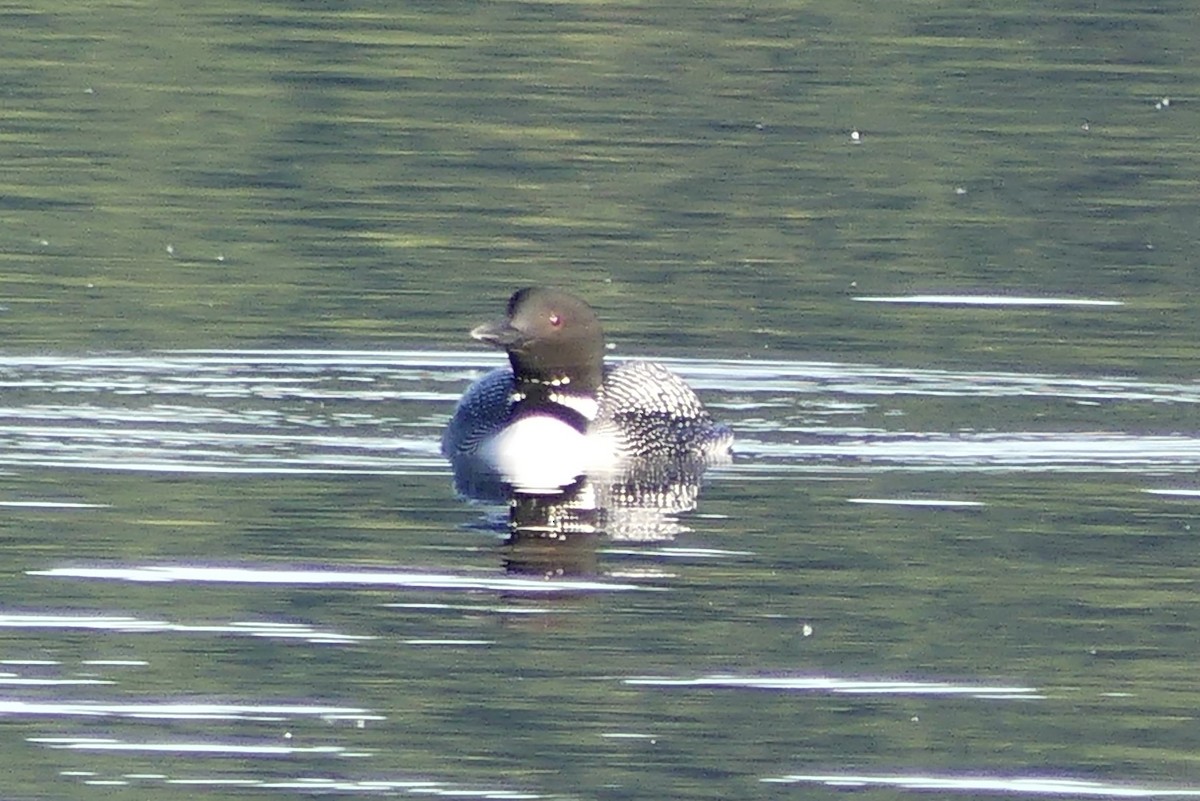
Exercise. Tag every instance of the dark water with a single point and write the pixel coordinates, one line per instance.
(932, 262)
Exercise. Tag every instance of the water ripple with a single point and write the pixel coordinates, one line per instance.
(185, 711)
(1014, 785)
(330, 577)
(213, 748)
(358, 412)
(1010, 452)
(843, 686)
(987, 300)
(126, 625)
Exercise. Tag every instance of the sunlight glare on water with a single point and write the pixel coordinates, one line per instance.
(840, 685)
(128, 625)
(318, 577)
(173, 414)
(1037, 786)
(988, 300)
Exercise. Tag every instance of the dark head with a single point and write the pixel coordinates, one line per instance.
(549, 335)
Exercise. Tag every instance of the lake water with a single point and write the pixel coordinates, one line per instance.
(932, 262)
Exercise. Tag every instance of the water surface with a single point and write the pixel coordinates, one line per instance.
(240, 569)
(933, 262)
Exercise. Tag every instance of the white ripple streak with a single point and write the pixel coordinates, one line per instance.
(839, 685)
(317, 577)
(988, 300)
(1015, 785)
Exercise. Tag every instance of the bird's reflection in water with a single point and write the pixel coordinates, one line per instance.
(558, 534)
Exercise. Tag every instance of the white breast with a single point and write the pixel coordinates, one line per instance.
(542, 454)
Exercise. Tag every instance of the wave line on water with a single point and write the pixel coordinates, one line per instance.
(53, 505)
(184, 711)
(332, 577)
(933, 503)
(320, 784)
(230, 749)
(1018, 451)
(1013, 785)
(987, 300)
(842, 686)
(126, 625)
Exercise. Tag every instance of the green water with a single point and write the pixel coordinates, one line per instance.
(381, 176)
(375, 173)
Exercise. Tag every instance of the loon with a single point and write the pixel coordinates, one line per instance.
(559, 414)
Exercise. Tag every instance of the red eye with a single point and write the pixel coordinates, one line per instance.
(555, 320)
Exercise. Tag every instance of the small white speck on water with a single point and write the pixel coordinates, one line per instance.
(170, 250)
(960, 190)
(1162, 104)
(807, 630)
(855, 136)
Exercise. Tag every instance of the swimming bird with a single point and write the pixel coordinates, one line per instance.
(558, 413)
